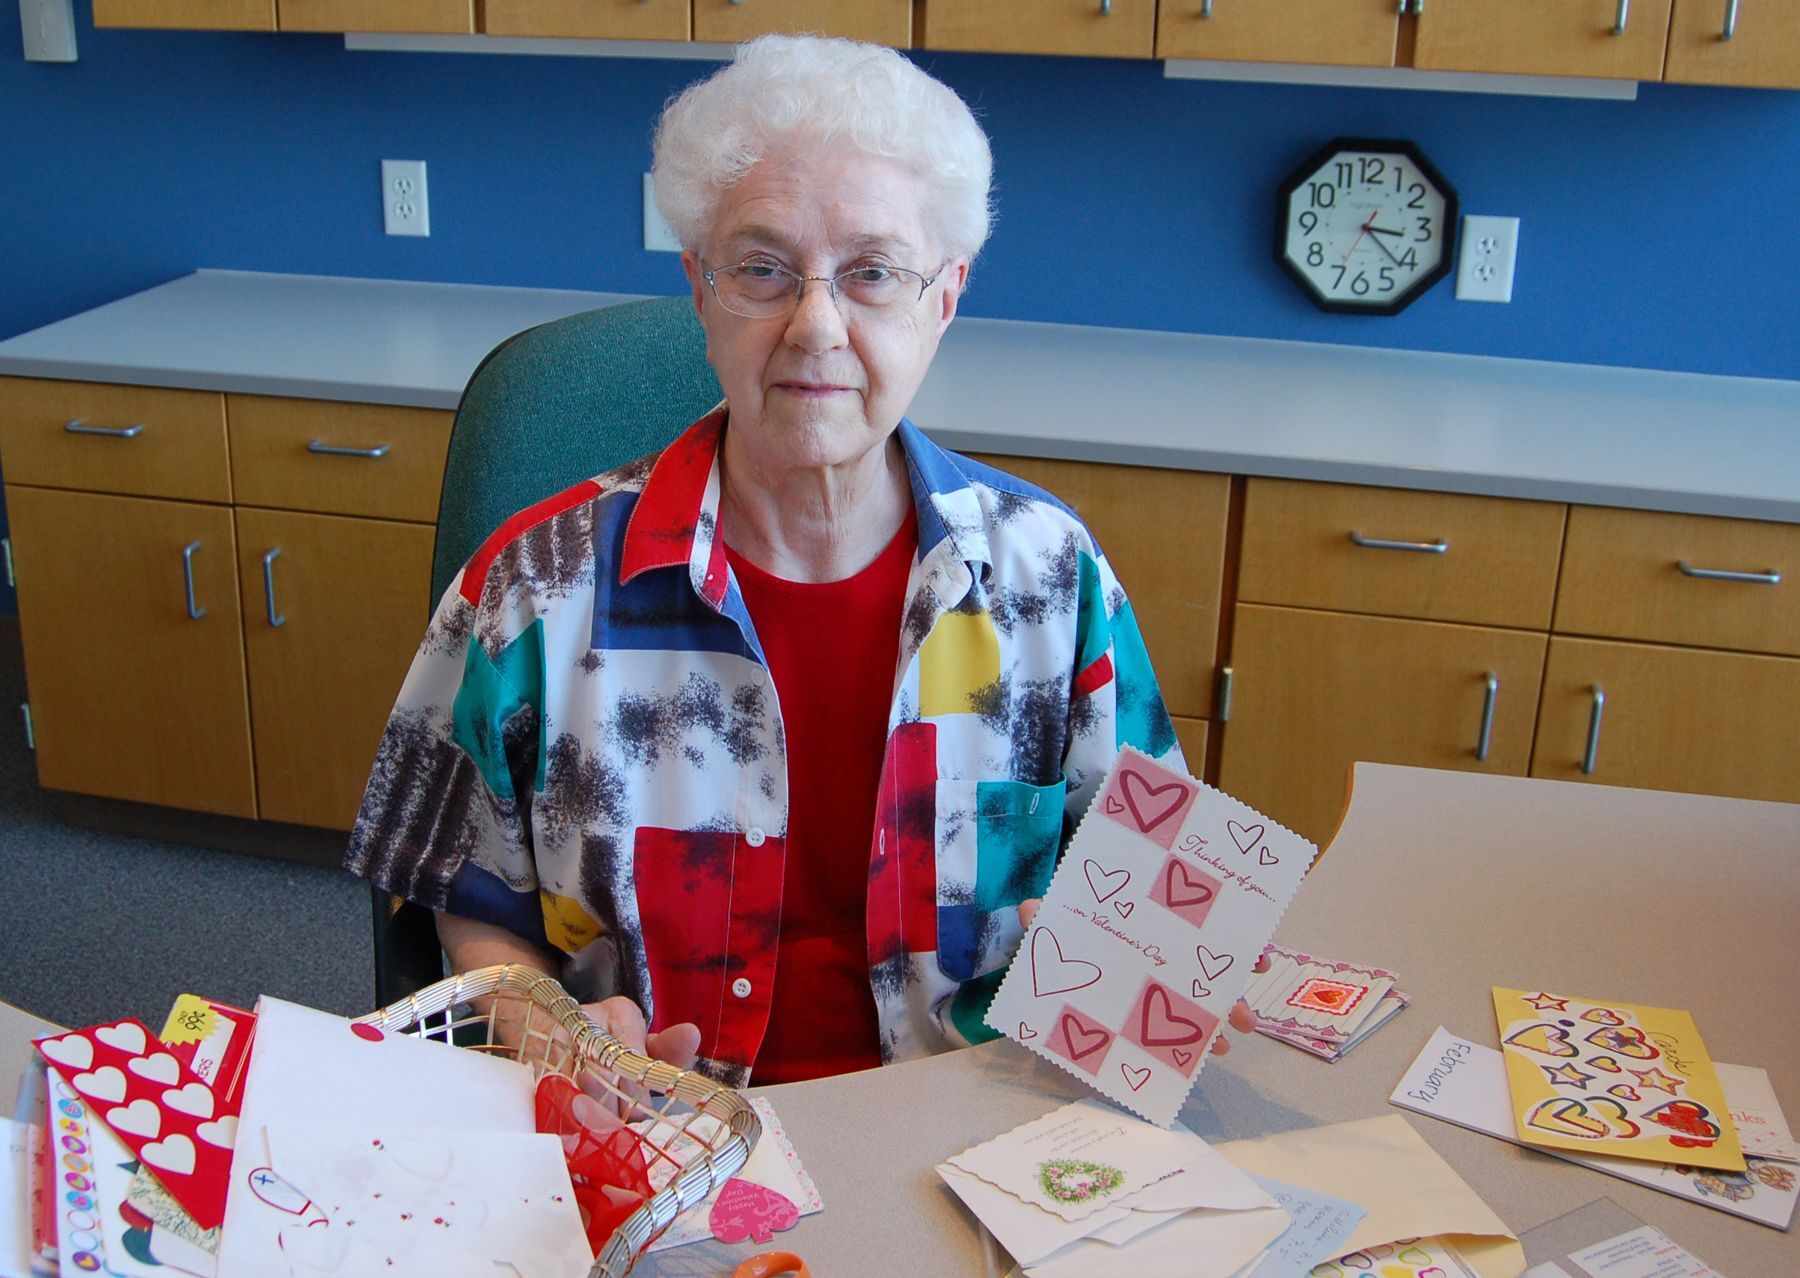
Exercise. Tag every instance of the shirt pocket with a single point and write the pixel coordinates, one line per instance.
(996, 846)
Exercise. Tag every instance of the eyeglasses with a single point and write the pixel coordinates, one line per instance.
(762, 288)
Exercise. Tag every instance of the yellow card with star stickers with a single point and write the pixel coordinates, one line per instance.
(1613, 1078)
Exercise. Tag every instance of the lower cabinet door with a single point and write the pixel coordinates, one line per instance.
(334, 609)
(134, 648)
(1313, 692)
(1663, 718)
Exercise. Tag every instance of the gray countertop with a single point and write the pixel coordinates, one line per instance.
(1350, 414)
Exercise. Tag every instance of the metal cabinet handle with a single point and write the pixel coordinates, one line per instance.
(1767, 577)
(338, 450)
(1436, 547)
(269, 557)
(79, 427)
(1624, 13)
(195, 612)
(1106, 8)
(1730, 30)
(1206, 8)
(1485, 738)
(1227, 676)
(1593, 742)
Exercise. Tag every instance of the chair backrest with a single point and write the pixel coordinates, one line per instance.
(563, 402)
(547, 408)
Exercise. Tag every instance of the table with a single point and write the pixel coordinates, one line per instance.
(1457, 881)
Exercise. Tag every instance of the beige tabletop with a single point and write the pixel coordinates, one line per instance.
(1456, 881)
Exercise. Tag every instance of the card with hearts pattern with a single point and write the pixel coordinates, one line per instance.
(1152, 924)
(1613, 1078)
(166, 1116)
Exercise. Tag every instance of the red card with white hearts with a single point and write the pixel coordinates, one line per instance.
(157, 1106)
(1152, 924)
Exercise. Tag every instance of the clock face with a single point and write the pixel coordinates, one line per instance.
(1365, 226)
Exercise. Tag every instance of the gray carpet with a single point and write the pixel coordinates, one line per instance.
(96, 926)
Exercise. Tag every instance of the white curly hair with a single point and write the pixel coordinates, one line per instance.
(818, 91)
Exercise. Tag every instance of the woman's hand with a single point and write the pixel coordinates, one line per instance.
(1241, 1018)
(679, 1045)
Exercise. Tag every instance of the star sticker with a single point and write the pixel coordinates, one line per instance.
(1567, 1075)
(1655, 1078)
(1548, 1003)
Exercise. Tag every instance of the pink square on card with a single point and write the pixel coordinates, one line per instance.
(1080, 1040)
(1184, 891)
(1170, 1027)
(1148, 799)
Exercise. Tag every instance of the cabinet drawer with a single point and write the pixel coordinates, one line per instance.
(338, 459)
(878, 21)
(1623, 577)
(1497, 567)
(1764, 48)
(1544, 37)
(589, 19)
(442, 17)
(136, 440)
(1336, 32)
(1124, 29)
(1671, 719)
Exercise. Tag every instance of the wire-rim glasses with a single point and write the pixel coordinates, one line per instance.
(762, 288)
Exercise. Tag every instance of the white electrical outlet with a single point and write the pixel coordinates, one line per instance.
(658, 238)
(405, 210)
(1484, 269)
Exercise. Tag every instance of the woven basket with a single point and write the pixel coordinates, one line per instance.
(707, 1129)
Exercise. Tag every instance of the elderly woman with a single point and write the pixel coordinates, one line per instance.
(768, 737)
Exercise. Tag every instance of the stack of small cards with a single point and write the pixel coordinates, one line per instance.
(1319, 1006)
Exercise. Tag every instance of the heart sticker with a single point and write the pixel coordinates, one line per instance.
(1135, 1075)
(1627, 1040)
(160, 1068)
(745, 1209)
(74, 1051)
(1214, 965)
(1245, 836)
(1594, 1119)
(1114, 881)
(1150, 804)
(1545, 1040)
(1605, 1064)
(1051, 973)
(174, 1155)
(125, 1037)
(104, 1084)
(193, 1098)
(221, 1132)
(140, 1118)
(1690, 1118)
(1623, 1092)
(1602, 1016)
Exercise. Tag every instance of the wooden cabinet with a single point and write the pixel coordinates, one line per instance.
(1330, 32)
(1172, 565)
(190, 15)
(1544, 37)
(1665, 718)
(434, 17)
(1747, 42)
(729, 21)
(1085, 28)
(183, 652)
(590, 19)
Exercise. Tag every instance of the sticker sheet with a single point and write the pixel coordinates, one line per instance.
(1613, 1078)
(1404, 1258)
(1158, 912)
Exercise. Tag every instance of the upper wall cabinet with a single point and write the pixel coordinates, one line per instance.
(1605, 39)
(1334, 32)
(1085, 28)
(1749, 42)
(590, 19)
(429, 17)
(187, 15)
(729, 21)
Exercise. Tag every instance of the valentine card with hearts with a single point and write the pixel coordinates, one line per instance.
(1613, 1078)
(156, 1105)
(1152, 924)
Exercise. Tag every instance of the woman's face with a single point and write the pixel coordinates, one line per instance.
(825, 383)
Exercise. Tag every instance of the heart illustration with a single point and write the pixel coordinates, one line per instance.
(1545, 1040)
(1183, 1057)
(1245, 836)
(1606, 1064)
(74, 1051)
(105, 1084)
(127, 1038)
(193, 1099)
(1125, 908)
(1214, 965)
(221, 1132)
(1083, 1042)
(1602, 1016)
(1113, 806)
(1160, 1025)
(1182, 888)
(745, 1209)
(1690, 1118)
(1098, 875)
(1329, 996)
(1201, 990)
(1026, 1033)
(140, 1118)
(1135, 1075)
(1150, 805)
(1584, 1120)
(426, 1159)
(1266, 857)
(1626, 1041)
(1623, 1092)
(174, 1155)
(160, 1068)
(1054, 974)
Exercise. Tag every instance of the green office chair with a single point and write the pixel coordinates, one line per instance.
(547, 408)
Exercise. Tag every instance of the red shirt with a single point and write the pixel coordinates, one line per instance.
(831, 648)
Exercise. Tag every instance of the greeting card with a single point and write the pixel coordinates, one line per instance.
(1613, 1078)
(1157, 914)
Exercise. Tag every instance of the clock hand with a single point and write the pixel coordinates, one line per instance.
(1383, 230)
(1384, 248)
(1366, 227)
